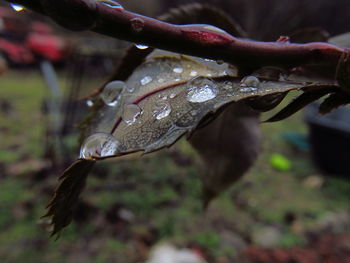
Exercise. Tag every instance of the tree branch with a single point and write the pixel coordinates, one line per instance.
(196, 40)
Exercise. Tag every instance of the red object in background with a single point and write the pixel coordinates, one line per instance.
(16, 53)
(23, 42)
(44, 44)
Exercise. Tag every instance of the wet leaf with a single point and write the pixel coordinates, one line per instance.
(334, 101)
(168, 96)
(301, 101)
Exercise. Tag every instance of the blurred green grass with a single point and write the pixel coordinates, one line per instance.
(159, 194)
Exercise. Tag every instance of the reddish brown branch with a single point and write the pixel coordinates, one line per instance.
(195, 40)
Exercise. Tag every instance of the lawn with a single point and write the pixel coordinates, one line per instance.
(133, 203)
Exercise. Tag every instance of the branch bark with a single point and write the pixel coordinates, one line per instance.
(196, 40)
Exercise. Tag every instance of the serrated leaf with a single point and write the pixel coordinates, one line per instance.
(301, 101)
(61, 207)
(333, 101)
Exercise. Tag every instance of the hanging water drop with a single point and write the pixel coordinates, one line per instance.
(172, 95)
(145, 80)
(140, 46)
(89, 103)
(17, 8)
(178, 70)
(200, 90)
(137, 24)
(249, 84)
(111, 3)
(131, 113)
(162, 109)
(215, 29)
(111, 92)
(99, 145)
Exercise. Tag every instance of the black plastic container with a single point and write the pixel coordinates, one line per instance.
(329, 137)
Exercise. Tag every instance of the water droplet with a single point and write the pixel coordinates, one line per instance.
(99, 145)
(111, 3)
(178, 70)
(193, 73)
(111, 92)
(137, 24)
(131, 113)
(145, 80)
(89, 103)
(248, 89)
(130, 88)
(249, 84)
(140, 46)
(250, 81)
(214, 28)
(162, 109)
(17, 8)
(172, 95)
(161, 80)
(200, 90)
(227, 86)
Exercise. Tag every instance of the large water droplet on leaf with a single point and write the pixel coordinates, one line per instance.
(200, 90)
(131, 113)
(111, 92)
(140, 46)
(113, 4)
(161, 110)
(99, 145)
(145, 80)
(249, 84)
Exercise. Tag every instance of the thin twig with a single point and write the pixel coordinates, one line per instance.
(196, 40)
